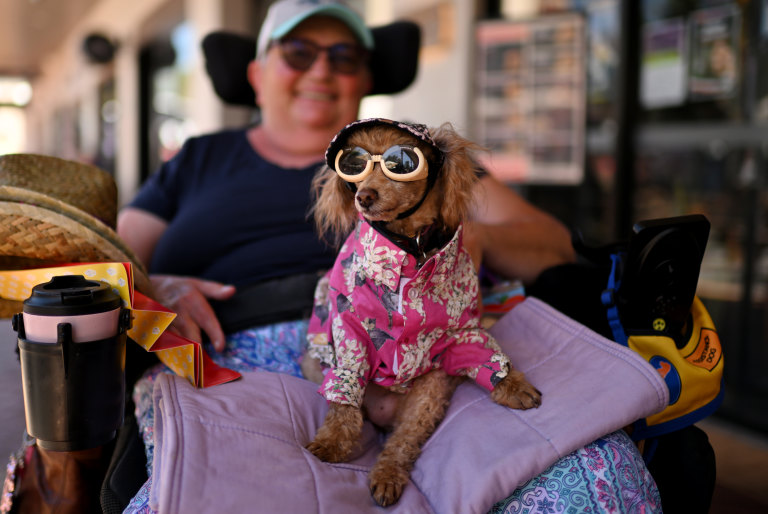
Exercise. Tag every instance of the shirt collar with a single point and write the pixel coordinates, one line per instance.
(384, 260)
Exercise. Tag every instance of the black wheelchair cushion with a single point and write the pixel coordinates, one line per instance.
(226, 60)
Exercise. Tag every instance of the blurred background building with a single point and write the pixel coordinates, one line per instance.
(604, 112)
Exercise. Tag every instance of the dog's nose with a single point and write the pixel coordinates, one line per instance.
(366, 197)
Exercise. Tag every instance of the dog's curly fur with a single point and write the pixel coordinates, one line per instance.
(335, 210)
(413, 417)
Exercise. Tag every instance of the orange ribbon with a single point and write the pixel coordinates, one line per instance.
(185, 357)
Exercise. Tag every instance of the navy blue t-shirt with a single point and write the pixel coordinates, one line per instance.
(232, 216)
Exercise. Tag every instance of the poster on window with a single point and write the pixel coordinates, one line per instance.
(764, 20)
(714, 65)
(664, 64)
(602, 58)
(530, 99)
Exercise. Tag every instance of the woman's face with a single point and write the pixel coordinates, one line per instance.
(315, 99)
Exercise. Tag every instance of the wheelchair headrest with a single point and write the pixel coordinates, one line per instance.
(394, 61)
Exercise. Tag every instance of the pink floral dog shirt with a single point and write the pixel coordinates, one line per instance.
(379, 317)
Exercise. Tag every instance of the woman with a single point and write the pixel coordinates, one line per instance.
(228, 214)
(301, 111)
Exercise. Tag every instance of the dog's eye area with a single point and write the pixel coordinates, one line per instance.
(354, 160)
(400, 159)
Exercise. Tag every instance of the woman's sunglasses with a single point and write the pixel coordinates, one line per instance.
(344, 58)
(400, 162)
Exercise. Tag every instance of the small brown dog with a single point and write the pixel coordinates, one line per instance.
(399, 311)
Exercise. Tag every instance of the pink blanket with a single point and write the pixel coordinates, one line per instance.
(239, 447)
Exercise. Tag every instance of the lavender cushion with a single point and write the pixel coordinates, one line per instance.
(240, 446)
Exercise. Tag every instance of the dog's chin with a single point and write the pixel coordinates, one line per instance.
(384, 216)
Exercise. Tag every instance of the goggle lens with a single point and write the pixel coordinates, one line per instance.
(354, 160)
(399, 162)
(400, 159)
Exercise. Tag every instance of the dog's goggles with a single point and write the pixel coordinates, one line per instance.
(400, 162)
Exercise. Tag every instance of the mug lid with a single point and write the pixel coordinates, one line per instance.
(71, 295)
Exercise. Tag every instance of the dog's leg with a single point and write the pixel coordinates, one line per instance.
(312, 369)
(419, 414)
(516, 392)
(340, 433)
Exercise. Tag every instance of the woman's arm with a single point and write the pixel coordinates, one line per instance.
(141, 231)
(186, 296)
(511, 236)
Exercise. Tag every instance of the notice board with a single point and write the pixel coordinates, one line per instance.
(530, 98)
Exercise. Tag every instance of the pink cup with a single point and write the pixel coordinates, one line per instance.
(85, 327)
(90, 307)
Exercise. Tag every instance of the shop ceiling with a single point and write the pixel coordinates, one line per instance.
(31, 29)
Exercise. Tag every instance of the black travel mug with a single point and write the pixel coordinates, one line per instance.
(71, 340)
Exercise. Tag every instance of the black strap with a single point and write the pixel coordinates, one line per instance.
(270, 301)
(127, 469)
(430, 238)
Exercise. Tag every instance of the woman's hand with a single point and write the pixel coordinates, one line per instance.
(188, 298)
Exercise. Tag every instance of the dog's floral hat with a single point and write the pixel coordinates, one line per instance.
(419, 131)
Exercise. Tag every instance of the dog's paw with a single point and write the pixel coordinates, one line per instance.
(339, 434)
(516, 392)
(387, 483)
(328, 451)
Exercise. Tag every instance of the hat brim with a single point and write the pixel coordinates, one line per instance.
(394, 61)
(37, 230)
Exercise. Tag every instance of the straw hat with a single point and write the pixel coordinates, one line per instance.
(54, 211)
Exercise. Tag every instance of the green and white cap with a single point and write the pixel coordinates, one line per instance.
(284, 15)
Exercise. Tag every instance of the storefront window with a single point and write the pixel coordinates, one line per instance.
(701, 151)
(695, 63)
(696, 146)
(166, 68)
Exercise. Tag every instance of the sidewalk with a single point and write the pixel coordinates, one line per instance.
(11, 401)
(742, 468)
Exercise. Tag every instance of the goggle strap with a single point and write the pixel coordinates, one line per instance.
(431, 179)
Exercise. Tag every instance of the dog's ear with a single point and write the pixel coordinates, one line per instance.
(334, 208)
(458, 174)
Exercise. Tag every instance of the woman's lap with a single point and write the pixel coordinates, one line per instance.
(275, 348)
(608, 475)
